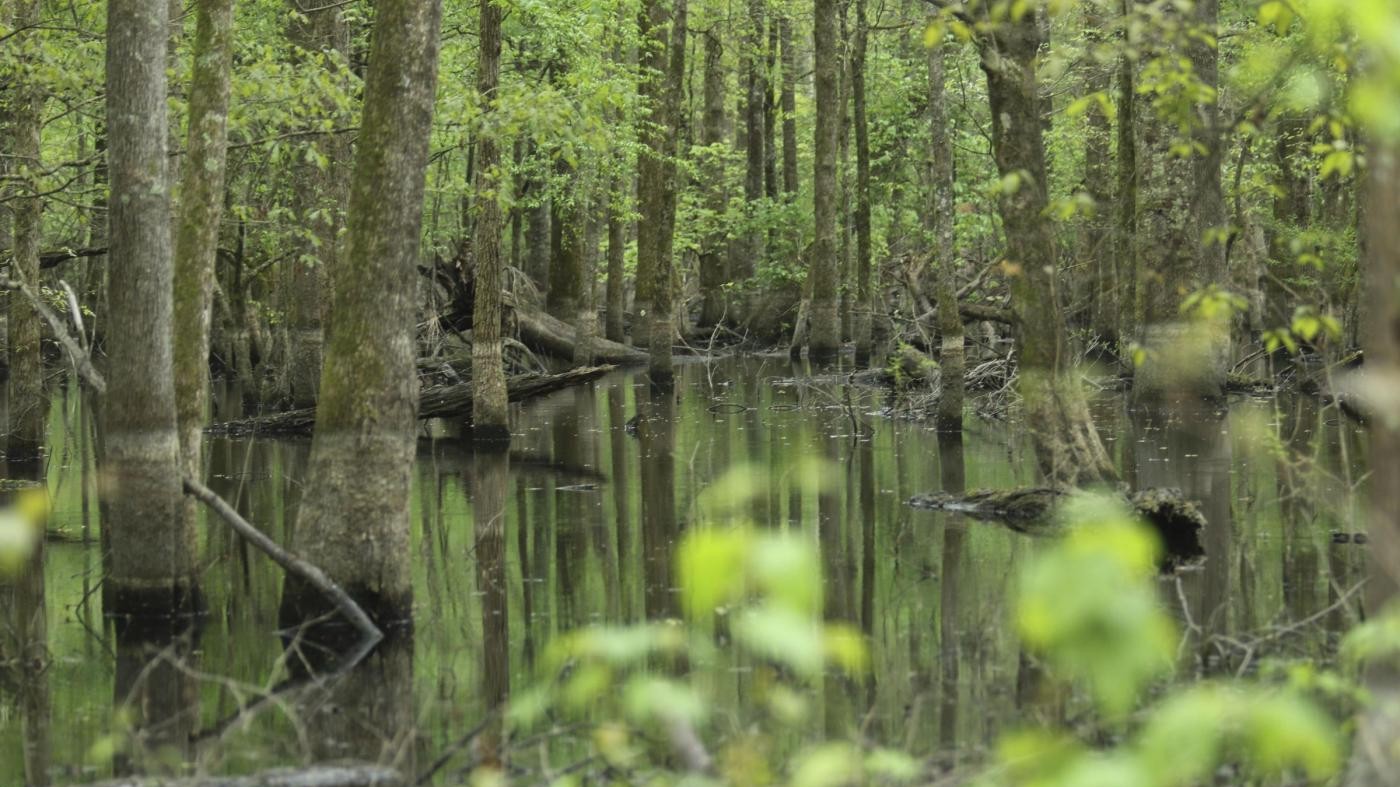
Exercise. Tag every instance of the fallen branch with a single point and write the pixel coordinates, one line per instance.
(315, 776)
(439, 401)
(51, 259)
(291, 563)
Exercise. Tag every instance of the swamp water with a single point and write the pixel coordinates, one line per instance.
(576, 526)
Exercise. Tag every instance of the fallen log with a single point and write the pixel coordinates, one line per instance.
(439, 401)
(314, 776)
(1178, 521)
(552, 336)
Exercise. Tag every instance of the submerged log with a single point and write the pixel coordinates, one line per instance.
(1178, 521)
(551, 336)
(440, 401)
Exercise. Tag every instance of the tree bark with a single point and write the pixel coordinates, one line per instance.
(754, 157)
(616, 295)
(153, 549)
(1126, 220)
(489, 415)
(823, 340)
(355, 513)
(1067, 445)
(1098, 160)
(197, 237)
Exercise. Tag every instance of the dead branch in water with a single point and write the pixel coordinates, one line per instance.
(291, 563)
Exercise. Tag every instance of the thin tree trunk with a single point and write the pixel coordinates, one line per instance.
(617, 249)
(1102, 284)
(153, 548)
(754, 136)
(789, 105)
(823, 340)
(1126, 220)
(489, 415)
(712, 267)
(566, 244)
(27, 411)
(197, 237)
(355, 513)
(949, 414)
(1067, 445)
(864, 302)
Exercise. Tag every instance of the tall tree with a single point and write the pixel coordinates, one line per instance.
(1102, 280)
(658, 86)
(354, 515)
(489, 415)
(940, 218)
(153, 547)
(712, 269)
(864, 303)
(754, 135)
(26, 366)
(824, 340)
(788, 104)
(1067, 445)
(201, 207)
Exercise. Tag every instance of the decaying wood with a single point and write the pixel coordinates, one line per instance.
(1178, 521)
(554, 337)
(439, 401)
(315, 776)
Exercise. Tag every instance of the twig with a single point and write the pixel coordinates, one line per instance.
(291, 563)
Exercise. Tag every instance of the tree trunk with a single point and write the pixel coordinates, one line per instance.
(489, 415)
(657, 92)
(319, 196)
(1126, 229)
(537, 229)
(354, 516)
(951, 354)
(153, 548)
(864, 302)
(755, 137)
(566, 244)
(712, 267)
(197, 237)
(789, 105)
(1376, 757)
(617, 249)
(1098, 250)
(1067, 445)
(27, 410)
(823, 340)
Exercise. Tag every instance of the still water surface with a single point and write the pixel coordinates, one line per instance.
(575, 527)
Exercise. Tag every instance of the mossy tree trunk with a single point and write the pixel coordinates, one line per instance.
(1102, 289)
(754, 137)
(1125, 245)
(616, 295)
(197, 236)
(354, 516)
(788, 103)
(153, 548)
(823, 338)
(489, 414)
(663, 45)
(1067, 445)
(951, 356)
